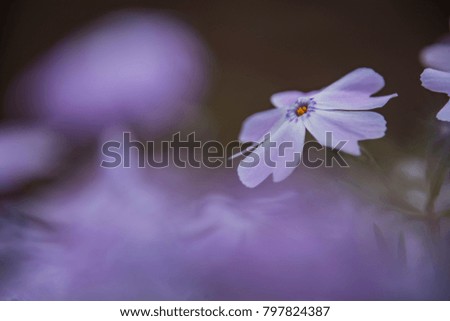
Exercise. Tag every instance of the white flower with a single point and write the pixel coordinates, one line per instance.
(340, 108)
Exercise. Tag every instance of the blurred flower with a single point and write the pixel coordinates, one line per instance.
(109, 240)
(438, 81)
(27, 153)
(308, 239)
(436, 56)
(133, 68)
(437, 77)
(127, 234)
(338, 108)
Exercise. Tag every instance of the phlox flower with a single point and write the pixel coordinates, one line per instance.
(339, 109)
(437, 76)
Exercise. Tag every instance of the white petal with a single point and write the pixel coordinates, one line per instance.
(288, 98)
(346, 100)
(437, 56)
(285, 98)
(259, 124)
(253, 176)
(282, 159)
(350, 126)
(435, 80)
(444, 113)
(352, 92)
(362, 80)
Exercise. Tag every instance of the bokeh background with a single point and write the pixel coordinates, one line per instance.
(75, 74)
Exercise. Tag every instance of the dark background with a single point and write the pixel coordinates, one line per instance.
(261, 47)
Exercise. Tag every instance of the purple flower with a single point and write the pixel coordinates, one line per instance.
(133, 234)
(437, 77)
(132, 68)
(308, 239)
(438, 81)
(27, 153)
(340, 108)
(109, 237)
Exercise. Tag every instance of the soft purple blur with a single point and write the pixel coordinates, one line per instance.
(27, 153)
(178, 234)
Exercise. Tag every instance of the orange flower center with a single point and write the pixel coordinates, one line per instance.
(301, 110)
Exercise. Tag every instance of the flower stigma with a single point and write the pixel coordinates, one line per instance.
(301, 107)
(301, 110)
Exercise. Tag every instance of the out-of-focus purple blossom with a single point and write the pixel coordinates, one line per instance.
(307, 239)
(131, 68)
(341, 108)
(437, 76)
(109, 241)
(436, 56)
(27, 153)
(438, 81)
(127, 234)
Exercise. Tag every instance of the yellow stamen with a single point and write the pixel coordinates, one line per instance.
(301, 110)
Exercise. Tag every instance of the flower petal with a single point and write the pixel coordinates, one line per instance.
(277, 155)
(259, 124)
(437, 56)
(350, 126)
(361, 80)
(289, 157)
(352, 92)
(435, 80)
(285, 98)
(288, 98)
(444, 113)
